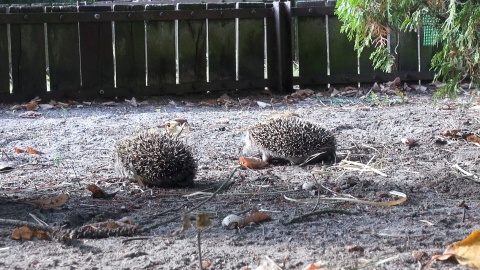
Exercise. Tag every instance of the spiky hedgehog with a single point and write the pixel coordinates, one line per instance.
(292, 139)
(155, 158)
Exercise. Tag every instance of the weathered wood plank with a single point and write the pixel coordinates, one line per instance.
(407, 51)
(28, 55)
(426, 54)
(130, 50)
(343, 58)
(4, 62)
(251, 54)
(96, 52)
(192, 46)
(221, 46)
(63, 53)
(312, 43)
(161, 48)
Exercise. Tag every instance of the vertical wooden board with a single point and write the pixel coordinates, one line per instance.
(4, 64)
(63, 53)
(343, 57)
(221, 46)
(407, 51)
(426, 54)
(312, 44)
(251, 56)
(192, 46)
(96, 51)
(28, 55)
(130, 50)
(161, 48)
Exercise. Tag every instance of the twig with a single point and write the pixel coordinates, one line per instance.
(316, 213)
(20, 223)
(199, 250)
(467, 174)
(135, 238)
(196, 207)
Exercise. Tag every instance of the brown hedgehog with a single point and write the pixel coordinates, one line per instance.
(292, 139)
(155, 158)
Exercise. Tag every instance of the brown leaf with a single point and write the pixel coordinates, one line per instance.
(32, 151)
(409, 142)
(207, 264)
(454, 133)
(18, 150)
(98, 193)
(50, 203)
(186, 224)
(256, 217)
(473, 138)
(22, 233)
(466, 252)
(252, 163)
(32, 106)
(208, 102)
(203, 220)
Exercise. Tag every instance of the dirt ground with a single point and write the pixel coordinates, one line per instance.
(77, 142)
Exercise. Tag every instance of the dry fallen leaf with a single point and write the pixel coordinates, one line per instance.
(32, 151)
(25, 233)
(317, 265)
(256, 217)
(466, 252)
(46, 106)
(29, 114)
(454, 133)
(18, 150)
(49, 203)
(208, 102)
(132, 102)
(22, 233)
(409, 142)
(32, 106)
(473, 138)
(109, 104)
(98, 193)
(186, 224)
(203, 220)
(252, 163)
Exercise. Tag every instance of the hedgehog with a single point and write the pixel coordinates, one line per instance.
(155, 158)
(290, 139)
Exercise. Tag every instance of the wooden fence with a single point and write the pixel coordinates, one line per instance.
(121, 49)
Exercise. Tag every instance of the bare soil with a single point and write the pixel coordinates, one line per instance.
(442, 205)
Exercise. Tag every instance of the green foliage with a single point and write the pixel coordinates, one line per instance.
(368, 23)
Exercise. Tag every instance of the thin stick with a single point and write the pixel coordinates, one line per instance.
(20, 223)
(199, 250)
(316, 213)
(196, 207)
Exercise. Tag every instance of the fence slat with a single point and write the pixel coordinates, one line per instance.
(130, 50)
(251, 55)
(192, 46)
(407, 57)
(221, 46)
(96, 52)
(312, 43)
(4, 64)
(426, 54)
(343, 57)
(28, 56)
(63, 54)
(161, 48)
